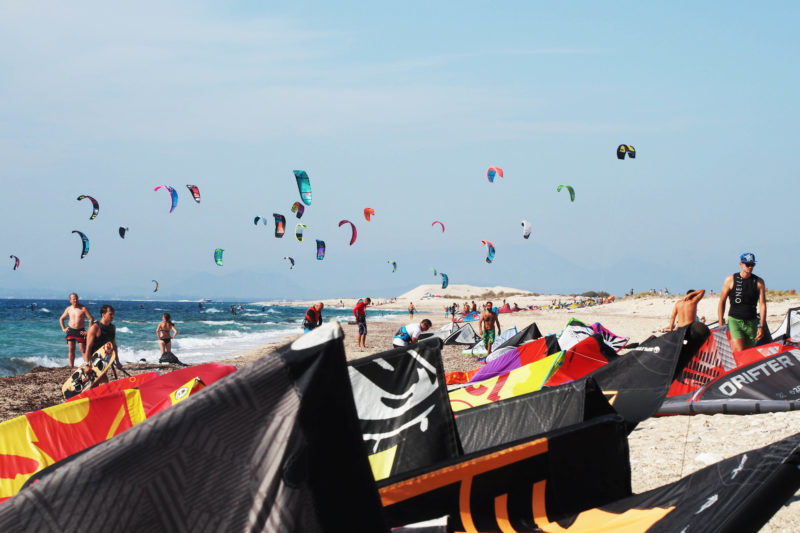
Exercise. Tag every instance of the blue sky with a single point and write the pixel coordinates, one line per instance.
(401, 108)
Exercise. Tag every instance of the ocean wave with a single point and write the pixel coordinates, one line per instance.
(44, 310)
(212, 310)
(217, 322)
(123, 329)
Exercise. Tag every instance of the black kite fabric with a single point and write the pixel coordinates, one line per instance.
(275, 446)
(404, 409)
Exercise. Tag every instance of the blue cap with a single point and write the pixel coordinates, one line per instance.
(747, 257)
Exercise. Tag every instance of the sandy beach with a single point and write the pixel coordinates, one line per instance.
(662, 449)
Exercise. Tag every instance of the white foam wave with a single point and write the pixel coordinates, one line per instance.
(44, 310)
(217, 322)
(47, 361)
(212, 310)
(123, 329)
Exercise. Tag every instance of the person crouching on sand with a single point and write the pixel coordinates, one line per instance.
(313, 318)
(410, 333)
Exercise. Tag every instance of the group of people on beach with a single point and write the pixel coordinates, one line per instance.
(100, 332)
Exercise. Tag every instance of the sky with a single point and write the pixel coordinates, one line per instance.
(401, 108)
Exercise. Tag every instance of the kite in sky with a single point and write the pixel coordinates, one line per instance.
(493, 172)
(526, 229)
(95, 205)
(195, 192)
(218, 256)
(368, 212)
(298, 231)
(84, 243)
(320, 250)
(122, 231)
(280, 224)
(303, 185)
(394, 265)
(354, 233)
(445, 280)
(298, 208)
(489, 251)
(156, 288)
(437, 222)
(623, 149)
(290, 261)
(173, 193)
(16, 261)
(570, 189)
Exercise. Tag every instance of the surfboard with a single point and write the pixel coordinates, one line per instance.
(82, 379)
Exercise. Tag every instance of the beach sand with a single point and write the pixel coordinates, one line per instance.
(662, 450)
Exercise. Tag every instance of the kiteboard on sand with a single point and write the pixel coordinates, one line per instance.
(82, 379)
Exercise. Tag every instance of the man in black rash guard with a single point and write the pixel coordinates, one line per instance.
(313, 317)
(745, 290)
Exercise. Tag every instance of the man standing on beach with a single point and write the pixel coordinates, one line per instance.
(410, 333)
(101, 332)
(489, 321)
(76, 326)
(685, 309)
(745, 290)
(411, 310)
(360, 312)
(313, 317)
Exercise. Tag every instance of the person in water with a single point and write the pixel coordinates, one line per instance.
(745, 290)
(685, 309)
(360, 312)
(313, 317)
(410, 333)
(101, 332)
(489, 322)
(166, 331)
(76, 327)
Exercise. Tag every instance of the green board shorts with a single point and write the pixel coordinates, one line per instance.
(743, 329)
(488, 336)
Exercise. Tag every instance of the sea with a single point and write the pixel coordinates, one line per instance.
(207, 331)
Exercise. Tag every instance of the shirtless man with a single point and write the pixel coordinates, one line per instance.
(487, 325)
(685, 309)
(76, 327)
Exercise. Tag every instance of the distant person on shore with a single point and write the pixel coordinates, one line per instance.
(466, 308)
(489, 322)
(411, 310)
(101, 332)
(166, 331)
(745, 290)
(685, 309)
(410, 333)
(360, 312)
(453, 309)
(313, 317)
(474, 307)
(76, 327)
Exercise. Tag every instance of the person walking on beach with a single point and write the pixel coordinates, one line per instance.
(745, 290)
(411, 310)
(360, 312)
(410, 333)
(313, 317)
(166, 331)
(101, 332)
(685, 309)
(489, 321)
(76, 326)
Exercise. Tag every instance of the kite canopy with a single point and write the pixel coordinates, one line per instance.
(445, 280)
(122, 231)
(437, 222)
(434, 272)
(303, 185)
(280, 225)
(320, 250)
(298, 208)
(526, 229)
(95, 205)
(493, 172)
(16, 261)
(84, 243)
(570, 189)
(623, 149)
(298, 231)
(290, 261)
(489, 251)
(156, 288)
(173, 193)
(195, 192)
(218, 256)
(394, 265)
(353, 234)
(368, 212)
(259, 219)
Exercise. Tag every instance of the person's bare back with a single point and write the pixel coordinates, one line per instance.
(685, 310)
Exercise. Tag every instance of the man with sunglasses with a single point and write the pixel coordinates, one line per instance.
(745, 290)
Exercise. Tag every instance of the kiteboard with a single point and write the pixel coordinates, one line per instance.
(82, 378)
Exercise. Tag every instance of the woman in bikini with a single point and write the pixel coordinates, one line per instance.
(163, 333)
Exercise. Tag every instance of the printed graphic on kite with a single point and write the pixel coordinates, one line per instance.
(95, 205)
(122, 231)
(173, 193)
(84, 243)
(570, 189)
(320, 250)
(526, 229)
(290, 261)
(218, 256)
(195, 192)
(623, 149)
(299, 209)
(368, 213)
(489, 251)
(354, 233)
(16, 261)
(303, 185)
(493, 172)
(298, 232)
(280, 225)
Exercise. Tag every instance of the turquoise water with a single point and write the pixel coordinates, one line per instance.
(30, 336)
